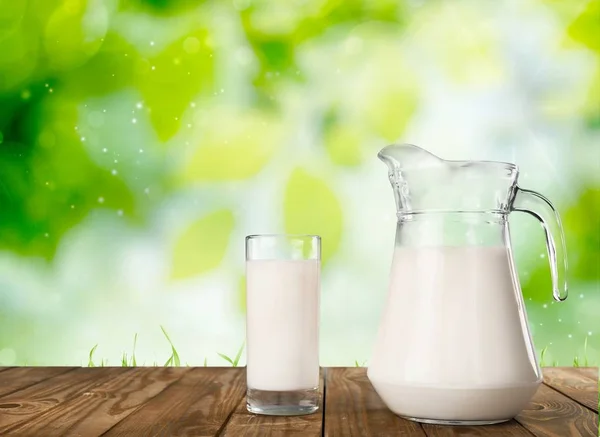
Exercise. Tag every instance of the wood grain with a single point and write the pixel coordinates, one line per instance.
(552, 414)
(198, 404)
(18, 378)
(353, 408)
(23, 405)
(507, 429)
(88, 402)
(245, 424)
(97, 410)
(590, 372)
(574, 384)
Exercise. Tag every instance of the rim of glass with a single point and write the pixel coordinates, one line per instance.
(460, 162)
(254, 236)
(484, 163)
(467, 163)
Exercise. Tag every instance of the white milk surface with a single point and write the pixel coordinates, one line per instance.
(454, 343)
(282, 327)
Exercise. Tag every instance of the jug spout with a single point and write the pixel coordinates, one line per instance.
(399, 158)
(423, 182)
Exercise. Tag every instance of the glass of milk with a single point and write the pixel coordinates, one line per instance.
(282, 323)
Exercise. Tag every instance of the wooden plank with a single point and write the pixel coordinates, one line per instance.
(97, 410)
(573, 383)
(353, 408)
(552, 414)
(590, 372)
(18, 378)
(23, 405)
(198, 404)
(506, 429)
(245, 424)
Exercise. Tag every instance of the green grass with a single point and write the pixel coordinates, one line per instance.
(173, 360)
(542, 355)
(91, 357)
(132, 361)
(234, 362)
(577, 360)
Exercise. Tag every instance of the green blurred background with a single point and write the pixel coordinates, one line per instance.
(141, 140)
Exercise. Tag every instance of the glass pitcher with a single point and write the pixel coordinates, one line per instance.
(454, 345)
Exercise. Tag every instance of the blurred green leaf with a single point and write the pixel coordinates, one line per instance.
(159, 7)
(388, 110)
(343, 142)
(538, 285)
(311, 207)
(48, 182)
(233, 146)
(11, 16)
(114, 67)
(582, 224)
(18, 56)
(39, 12)
(591, 108)
(202, 246)
(74, 33)
(174, 77)
(586, 27)
(473, 55)
(275, 30)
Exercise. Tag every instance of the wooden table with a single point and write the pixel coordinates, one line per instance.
(209, 401)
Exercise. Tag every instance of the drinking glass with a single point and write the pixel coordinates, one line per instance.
(282, 324)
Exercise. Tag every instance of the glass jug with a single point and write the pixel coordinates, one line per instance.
(454, 345)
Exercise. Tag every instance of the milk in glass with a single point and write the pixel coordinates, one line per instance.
(282, 324)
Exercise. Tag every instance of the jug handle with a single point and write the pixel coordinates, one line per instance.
(540, 207)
